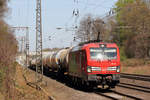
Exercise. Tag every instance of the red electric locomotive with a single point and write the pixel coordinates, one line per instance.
(95, 64)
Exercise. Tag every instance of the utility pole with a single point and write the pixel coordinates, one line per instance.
(26, 42)
(39, 63)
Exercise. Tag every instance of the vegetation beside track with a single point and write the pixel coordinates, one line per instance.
(8, 50)
(24, 91)
(136, 66)
(128, 27)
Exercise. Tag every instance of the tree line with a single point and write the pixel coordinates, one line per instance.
(8, 50)
(128, 27)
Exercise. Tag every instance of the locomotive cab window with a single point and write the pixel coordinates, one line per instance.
(103, 53)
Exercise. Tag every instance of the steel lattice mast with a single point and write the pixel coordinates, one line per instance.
(26, 42)
(39, 63)
(27, 46)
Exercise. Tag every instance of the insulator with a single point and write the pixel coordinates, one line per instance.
(76, 27)
(74, 39)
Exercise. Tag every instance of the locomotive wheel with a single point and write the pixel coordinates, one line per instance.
(113, 84)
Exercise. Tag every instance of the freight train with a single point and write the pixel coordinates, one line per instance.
(90, 64)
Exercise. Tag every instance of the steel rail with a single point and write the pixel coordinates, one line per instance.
(136, 77)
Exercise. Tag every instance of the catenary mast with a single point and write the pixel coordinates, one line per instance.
(39, 63)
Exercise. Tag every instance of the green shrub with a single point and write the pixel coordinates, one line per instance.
(123, 56)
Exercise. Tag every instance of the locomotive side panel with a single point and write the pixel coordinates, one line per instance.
(77, 64)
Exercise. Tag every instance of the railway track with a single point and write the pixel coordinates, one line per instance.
(136, 77)
(139, 89)
(124, 91)
(117, 95)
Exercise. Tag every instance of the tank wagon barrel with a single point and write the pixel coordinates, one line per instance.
(56, 60)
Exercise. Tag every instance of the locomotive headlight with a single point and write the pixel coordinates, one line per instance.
(89, 69)
(118, 69)
(114, 68)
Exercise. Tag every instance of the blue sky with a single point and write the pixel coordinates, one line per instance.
(55, 13)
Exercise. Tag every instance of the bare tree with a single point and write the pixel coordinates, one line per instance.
(98, 29)
(84, 30)
(8, 50)
(90, 29)
(132, 30)
(3, 7)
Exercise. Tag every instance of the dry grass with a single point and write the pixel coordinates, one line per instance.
(25, 92)
(136, 66)
(135, 62)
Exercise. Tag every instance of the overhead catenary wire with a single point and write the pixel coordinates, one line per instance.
(76, 12)
(87, 5)
(74, 15)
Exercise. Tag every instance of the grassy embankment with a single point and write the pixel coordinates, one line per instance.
(24, 91)
(136, 66)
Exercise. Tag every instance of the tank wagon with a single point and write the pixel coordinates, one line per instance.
(58, 60)
(92, 64)
(33, 58)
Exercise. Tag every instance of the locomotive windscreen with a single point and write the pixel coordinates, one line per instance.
(103, 53)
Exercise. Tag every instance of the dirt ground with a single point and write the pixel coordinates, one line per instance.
(24, 91)
(55, 89)
(136, 66)
(142, 70)
(60, 91)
